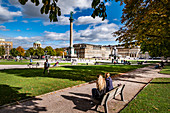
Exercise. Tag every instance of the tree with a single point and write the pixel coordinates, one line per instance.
(27, 54)
(39, 52)
(156, 50)
(31, 51)
(2, 51)
(59, 51)
(20, 51)
(143, 20)
(14, 52)
(50, 51)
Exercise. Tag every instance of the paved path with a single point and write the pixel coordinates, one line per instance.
(77, 99)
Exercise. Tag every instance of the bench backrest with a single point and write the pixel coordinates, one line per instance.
(112, 94)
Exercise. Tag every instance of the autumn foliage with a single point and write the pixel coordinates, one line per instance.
(20, 51)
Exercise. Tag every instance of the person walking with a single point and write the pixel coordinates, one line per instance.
(46, 66)
(109, 85)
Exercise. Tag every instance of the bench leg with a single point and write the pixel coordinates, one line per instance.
(96, 108)
(122, 99)
(121, 93)
(105, 108)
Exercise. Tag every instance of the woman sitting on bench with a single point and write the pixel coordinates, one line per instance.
(101, 88)
(109, 85)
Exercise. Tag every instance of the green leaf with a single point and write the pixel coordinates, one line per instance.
(37, 2)
(95, 3)
(42, 9)
(23, 1)
(59, 12)
(33, 1)
(46, 9)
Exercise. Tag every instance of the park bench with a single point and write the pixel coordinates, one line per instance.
(30, 65)
(140, 63)
(109, 96)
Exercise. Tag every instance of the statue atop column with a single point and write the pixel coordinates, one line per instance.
(71, 16)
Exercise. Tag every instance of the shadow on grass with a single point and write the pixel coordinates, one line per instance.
(160, 82)
(11, 94)
(83, 73)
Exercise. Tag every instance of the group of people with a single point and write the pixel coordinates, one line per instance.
(103, 85)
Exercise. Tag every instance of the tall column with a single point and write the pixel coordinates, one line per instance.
(71, 51)
(71, 33)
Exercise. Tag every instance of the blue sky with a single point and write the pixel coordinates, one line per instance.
(24, 24)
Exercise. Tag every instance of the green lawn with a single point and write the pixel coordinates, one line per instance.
(17, 84)
(165, 70)
(69, 63)
(13, 62)
(135, 61)
(153, 99)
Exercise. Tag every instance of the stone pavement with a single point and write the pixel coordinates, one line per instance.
(77, 99)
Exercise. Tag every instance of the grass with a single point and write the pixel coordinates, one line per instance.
(13, 62)
(135, 61)
(17, 84)
(165, 70)
(69, 63)
(153, 99)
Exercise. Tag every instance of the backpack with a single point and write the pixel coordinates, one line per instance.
(47, 64)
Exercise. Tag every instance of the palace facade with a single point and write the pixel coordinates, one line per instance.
(7, 45)
(99, 51)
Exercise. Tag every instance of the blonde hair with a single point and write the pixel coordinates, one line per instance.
(100, 84)
(107, 75)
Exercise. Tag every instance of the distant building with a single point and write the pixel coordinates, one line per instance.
(7, 45)
(107, 51)
(36, 44)
(131, 52)
(91, 51)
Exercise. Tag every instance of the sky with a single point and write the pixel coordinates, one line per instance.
(24, 24)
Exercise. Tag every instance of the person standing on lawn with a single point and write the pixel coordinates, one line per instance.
(46, 66)
(109, 85)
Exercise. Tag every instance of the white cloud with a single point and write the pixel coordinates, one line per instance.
(7, 16)
(115, 19)
(29, 10)
(25, 21)
(62, 20)
(36, 21)
(21, 38)
(91, 34)
(99, 33)
(56, 36)
(89, 20)
(3, 28)
(67, 5)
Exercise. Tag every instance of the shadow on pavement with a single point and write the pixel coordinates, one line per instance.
(131, 81)
(81, 103)
(10, 94)
(130, 76)
(81, 94)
